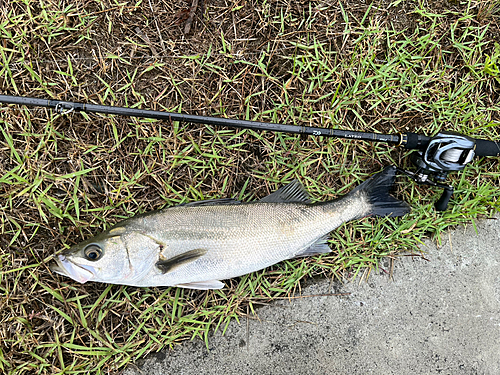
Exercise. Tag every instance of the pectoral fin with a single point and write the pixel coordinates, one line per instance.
(203, 285)
(168, 265)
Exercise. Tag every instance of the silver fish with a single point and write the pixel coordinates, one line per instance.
(196, 245)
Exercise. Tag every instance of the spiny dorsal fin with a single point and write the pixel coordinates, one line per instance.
(168, 265)
(294, 192)
(211, 202)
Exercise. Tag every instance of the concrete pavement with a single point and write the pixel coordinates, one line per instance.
(440, 316)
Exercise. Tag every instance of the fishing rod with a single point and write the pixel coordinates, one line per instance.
(434, 158)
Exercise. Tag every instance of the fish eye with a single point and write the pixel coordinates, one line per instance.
(92, 252)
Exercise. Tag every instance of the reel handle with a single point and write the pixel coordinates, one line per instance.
(442, 203)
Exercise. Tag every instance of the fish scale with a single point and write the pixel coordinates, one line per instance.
(200, 243)
(250, 237)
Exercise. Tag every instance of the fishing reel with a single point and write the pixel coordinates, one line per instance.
(445, 153)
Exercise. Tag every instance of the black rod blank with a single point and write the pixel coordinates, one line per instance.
(412, 141)
(65, 107)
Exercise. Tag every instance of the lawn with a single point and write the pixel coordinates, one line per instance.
(380, 66)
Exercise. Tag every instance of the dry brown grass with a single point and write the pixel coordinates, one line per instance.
(412, 66)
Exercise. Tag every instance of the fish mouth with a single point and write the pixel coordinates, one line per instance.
(64, 266)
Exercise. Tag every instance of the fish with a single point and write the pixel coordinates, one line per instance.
(199, 244)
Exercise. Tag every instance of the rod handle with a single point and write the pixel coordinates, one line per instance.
(415, 141)
(487, 148)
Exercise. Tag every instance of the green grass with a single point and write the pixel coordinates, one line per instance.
(414, 67)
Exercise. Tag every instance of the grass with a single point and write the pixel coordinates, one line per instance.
(413, 66)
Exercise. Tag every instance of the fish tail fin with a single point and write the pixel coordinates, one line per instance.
(376, 191)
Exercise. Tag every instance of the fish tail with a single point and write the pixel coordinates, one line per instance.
(376, 191)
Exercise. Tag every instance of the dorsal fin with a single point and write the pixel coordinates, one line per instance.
(294, 192)
(210, 202)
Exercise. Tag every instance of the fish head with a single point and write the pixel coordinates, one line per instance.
(117, 256)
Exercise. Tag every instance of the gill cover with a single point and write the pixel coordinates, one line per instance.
(115, 256)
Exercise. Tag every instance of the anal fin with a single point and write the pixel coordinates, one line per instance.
(203, 285)
(318, 247)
